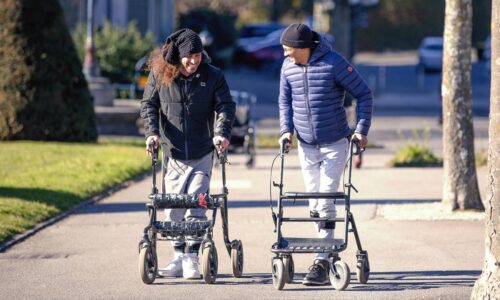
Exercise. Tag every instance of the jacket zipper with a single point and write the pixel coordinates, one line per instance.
(308, 107)
(185, 113)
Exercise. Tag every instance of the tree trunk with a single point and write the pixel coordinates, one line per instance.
(460, 188)
(488, 284)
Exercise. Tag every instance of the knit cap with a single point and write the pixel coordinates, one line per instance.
(183, 43)
(298, 36)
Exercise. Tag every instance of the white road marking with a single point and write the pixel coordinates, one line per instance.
(231, 184)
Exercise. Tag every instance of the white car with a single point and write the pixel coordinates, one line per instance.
(430, 54)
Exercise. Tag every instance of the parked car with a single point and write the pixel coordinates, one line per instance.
(430, 54)
(259, 30)
(263, 52)
(266, 52)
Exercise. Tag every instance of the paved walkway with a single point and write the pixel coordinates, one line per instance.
(93, 254)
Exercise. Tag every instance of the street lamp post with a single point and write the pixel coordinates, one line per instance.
(101, 89)
(91, 64)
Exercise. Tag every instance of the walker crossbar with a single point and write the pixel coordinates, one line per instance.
(301, 195)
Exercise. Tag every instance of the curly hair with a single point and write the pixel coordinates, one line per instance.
(163, 71)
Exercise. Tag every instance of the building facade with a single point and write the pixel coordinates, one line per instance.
(155, 16)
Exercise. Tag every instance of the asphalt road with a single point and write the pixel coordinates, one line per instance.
(398, 88)
(93, 254)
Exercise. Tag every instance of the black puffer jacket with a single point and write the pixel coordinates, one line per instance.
(187, 119)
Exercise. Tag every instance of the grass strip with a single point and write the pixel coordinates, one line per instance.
(41, 179)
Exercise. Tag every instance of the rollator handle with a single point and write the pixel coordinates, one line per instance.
(357, 150)
(153, 150)
(221, 155)
(284, 146)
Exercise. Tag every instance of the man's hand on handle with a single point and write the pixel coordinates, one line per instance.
(220, 143)
(149, 140)
(362, 140)
(289, 137)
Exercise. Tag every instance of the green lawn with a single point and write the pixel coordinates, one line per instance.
(39, 179)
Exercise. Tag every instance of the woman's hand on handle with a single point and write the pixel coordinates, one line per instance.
(152, 143)
(220, 143)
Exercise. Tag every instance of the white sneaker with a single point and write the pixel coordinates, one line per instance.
(173, 269)
(191, 266)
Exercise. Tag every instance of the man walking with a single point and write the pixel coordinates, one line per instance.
(313, 83)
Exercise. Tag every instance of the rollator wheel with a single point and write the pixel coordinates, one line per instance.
(148, 263)
(363, 268)
(340, 275)
(278, 274)
(209, 263)
(237, 258)
(289, 268)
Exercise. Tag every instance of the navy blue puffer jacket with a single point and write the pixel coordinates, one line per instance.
(312, 96)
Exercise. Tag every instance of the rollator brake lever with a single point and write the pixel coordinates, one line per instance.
(350, 185)
(275, 221)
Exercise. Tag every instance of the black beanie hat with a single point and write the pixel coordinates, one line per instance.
(298, 36)
(183, 43)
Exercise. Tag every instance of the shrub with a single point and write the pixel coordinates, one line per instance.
(43, 93)
(118, 49)
(221, 25)
(482, 158)
(413, 154)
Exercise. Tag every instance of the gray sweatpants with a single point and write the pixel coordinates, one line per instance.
(322, 169)
(191, 177)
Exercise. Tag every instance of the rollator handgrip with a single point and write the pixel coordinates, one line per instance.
(153, 150)
(284, 146)
(357, 150)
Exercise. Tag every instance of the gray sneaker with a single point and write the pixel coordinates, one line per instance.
(318, 274)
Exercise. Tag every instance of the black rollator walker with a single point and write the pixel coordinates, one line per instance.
(282, 262)
(169, 231)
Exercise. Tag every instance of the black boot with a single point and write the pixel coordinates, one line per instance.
(318, 274)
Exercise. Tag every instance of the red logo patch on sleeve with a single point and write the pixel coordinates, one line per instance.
(349, 69)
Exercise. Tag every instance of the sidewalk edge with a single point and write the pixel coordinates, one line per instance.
(89, 201)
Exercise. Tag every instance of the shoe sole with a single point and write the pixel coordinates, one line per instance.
(176, 275)
(169, 276)
(315, 283)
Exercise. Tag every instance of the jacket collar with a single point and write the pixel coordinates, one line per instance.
(321, 50)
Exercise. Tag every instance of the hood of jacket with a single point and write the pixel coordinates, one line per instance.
(323, 48)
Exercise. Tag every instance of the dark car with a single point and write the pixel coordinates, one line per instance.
(263, 52)
(259, 30)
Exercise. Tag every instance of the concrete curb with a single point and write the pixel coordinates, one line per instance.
(94, 199)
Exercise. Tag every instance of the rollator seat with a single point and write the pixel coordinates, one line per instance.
(310, 245)
(302, 195)
(182, 228)
(183, 201)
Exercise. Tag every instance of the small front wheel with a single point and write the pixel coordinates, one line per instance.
(209, 263)
(289, 268)
(340, 275)
(278, 274)
(148, 264)
(363, 267)
(237, 258)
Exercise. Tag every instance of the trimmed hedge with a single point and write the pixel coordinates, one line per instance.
(43, 93)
